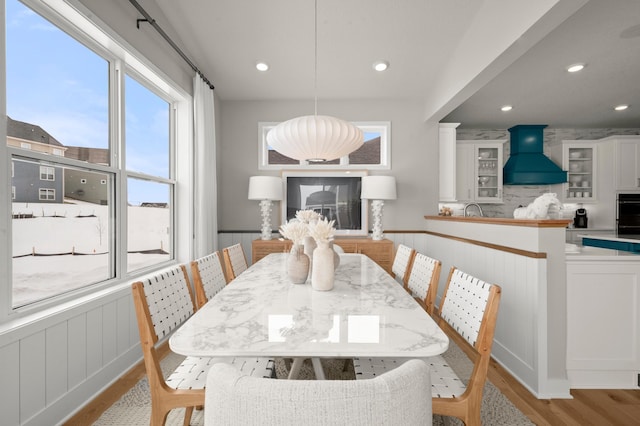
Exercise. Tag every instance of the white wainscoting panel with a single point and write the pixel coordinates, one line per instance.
(9, 392)
(77, 350)
(52, 366)
(32, 374)
(56, 362)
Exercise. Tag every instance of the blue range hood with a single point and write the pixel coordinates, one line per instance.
(527, 165)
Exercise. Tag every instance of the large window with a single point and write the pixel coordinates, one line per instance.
(90, 204)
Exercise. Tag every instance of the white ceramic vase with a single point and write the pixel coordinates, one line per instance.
(336, 257)
(323, 272)
(298, 265)
(309, 246)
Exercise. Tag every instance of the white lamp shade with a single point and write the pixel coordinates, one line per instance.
(378, 188)
(315, 138)
(265, 188)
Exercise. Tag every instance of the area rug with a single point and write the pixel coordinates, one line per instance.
(134, 408)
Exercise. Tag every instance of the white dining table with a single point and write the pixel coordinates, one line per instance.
(261, 313)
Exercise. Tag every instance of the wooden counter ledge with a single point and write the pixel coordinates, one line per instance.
(535, 223)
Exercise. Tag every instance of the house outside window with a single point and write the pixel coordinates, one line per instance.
(119, 198)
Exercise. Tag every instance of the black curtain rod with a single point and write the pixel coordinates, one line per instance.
(150, 20)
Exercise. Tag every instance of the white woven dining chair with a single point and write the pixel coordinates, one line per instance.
(423, 280)
(163, 302)
(399, 397)
(402, 263)
(468, 314)
(235, 261)
(208, 277)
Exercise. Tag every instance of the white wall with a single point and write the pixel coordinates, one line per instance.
(414, 157)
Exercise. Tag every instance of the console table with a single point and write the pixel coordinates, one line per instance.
(381, 252)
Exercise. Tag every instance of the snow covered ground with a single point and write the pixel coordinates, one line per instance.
(82, 228)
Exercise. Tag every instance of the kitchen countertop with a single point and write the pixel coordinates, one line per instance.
(536, 223)
(576, 252)
(612, 237)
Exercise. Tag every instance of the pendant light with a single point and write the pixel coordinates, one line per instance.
(315, 138)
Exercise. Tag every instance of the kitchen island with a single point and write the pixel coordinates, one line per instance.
(603, 318)
(527, 259)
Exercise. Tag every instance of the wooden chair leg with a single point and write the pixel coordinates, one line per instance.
(158, 417)
(187, 416)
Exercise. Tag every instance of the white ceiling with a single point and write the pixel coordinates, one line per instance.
(462, 58)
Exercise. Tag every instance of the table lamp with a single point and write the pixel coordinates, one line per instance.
(266, 189)
(378, 188)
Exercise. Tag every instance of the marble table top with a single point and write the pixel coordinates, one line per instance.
(261, 313)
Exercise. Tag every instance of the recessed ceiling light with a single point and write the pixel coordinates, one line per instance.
(262, 66)
(575, 67)
(621, 107)
(506, 108)
(380, 65)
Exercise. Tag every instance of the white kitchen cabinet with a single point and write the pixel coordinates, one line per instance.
(603, 313)
(579, 159)
(447, 157)
(479, 171)
(627, 162)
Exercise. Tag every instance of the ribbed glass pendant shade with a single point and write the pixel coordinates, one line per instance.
(315, 138)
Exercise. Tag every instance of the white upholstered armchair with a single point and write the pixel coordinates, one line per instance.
(400, 397)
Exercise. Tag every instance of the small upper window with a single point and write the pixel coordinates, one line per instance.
(375, 153)
(47, 173)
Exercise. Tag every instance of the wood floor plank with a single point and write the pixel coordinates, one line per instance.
(588, 407)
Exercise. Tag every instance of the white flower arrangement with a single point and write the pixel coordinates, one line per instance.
(295, 231)
(308, 216)
(322, 231)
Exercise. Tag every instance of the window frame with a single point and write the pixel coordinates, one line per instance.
(49, 194)
(382, 127)
(76, 20)
(49, 173)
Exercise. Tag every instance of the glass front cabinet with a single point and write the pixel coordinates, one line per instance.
(479, 165)
(579, 160)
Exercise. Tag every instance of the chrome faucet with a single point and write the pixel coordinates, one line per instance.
(466, 206)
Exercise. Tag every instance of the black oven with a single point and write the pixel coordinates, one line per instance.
(628, 214)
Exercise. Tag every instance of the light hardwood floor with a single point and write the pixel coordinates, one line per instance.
(588, 407)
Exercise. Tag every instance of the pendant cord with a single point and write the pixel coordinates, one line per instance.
(315, 65)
